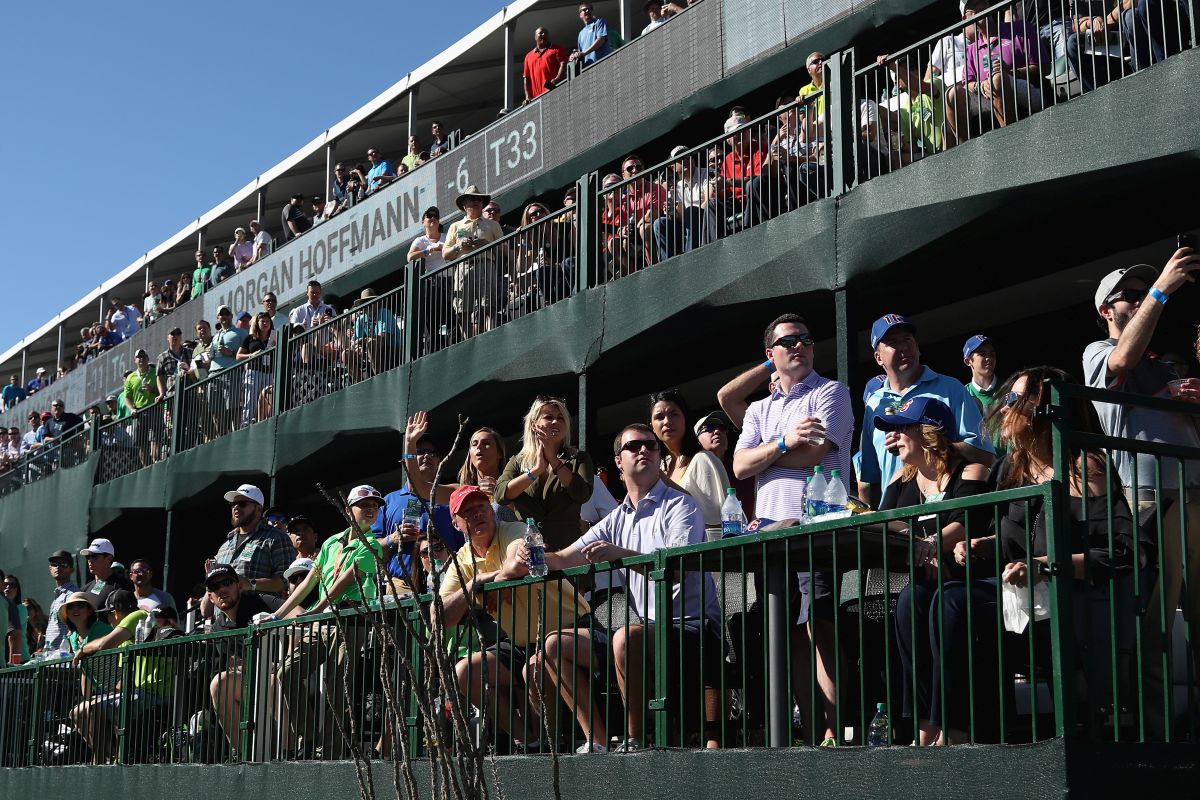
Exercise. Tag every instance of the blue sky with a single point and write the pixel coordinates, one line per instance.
(124, 122)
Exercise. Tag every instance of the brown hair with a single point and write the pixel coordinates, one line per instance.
(937, 450)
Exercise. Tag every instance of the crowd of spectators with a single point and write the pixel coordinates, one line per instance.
(925, 437)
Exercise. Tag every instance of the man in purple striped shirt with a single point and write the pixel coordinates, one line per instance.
(805, 421)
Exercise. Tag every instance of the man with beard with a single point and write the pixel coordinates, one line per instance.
(258, 553)
(1130, 303)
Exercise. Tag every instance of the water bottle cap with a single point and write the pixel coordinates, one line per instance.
(529, 521)
(817, 469)
(881, 706)
(837, 473)
(729, 491)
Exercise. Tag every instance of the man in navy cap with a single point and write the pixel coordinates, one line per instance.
(979, 354)
(894, 340)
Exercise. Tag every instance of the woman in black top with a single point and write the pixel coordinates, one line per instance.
(923, 433)
(259, 371)
(1100, 538)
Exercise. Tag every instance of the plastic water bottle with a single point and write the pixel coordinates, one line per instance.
(733, 521)
(145, 630)
(877, 734)
(817, 488)
(835, 494)
(537, 549)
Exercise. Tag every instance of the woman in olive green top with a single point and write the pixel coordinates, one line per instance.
(548, 480)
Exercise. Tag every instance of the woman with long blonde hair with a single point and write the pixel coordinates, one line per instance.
(549, 480)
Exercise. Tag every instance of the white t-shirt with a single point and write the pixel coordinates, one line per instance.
(949, 58)
(262, 238)
(433, 260)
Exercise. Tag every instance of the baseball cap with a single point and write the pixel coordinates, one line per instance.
(884, 324)
(97, 547)
(920, 411)
(165, 612)
(716, 416)
(224, 310)
(677, 149)
(119, 600)
(243, 315)
(246, 491)
(45, 416)
(734, 122)
(140, 353)
(464, 493)
(1143, 272)
(41, 370)
(219, 571)
(364, 492)
(974, 343)
(298, 566)
(299, 519)
(176, 331)
(61, 555)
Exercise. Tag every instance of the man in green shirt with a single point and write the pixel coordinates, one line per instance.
(200, 276)
(140, 392)
(344, 575)
(153, 677)
(979, 354)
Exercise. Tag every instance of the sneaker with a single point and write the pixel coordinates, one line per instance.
(630, 745)
(590, 747)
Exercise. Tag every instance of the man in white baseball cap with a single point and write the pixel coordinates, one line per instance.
(100, 555)
(343, 576)
(258, 552)
(1130, 303)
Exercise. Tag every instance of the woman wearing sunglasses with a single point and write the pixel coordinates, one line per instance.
(1101, 535)
(923, 432)
(549, 480)
(12, 593)
(695, 470)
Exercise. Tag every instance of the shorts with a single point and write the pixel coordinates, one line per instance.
(689, 643)
(109, 705)
(816, 597)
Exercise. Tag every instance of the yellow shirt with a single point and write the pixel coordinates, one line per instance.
(808, 89)
(518, 609)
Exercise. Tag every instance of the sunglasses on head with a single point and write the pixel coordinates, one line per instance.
(793, 339)
(1130, 296)
(636, 445)
(1012, 398)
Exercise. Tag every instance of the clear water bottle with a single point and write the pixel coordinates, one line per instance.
(817, 488)
(537, 549)
(835, 494)
(877, 734)
(733, 521)
(145, 630)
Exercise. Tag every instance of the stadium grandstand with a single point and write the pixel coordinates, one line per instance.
(450, 439)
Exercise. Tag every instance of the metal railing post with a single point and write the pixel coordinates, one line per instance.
(123, 715)
(177, 426)
(249, 675)
(585, 229)
(283, 369)
(841, 115)
(779, 699)
(412, 326)
(1058, 555)
(36, 716)
(663, 613)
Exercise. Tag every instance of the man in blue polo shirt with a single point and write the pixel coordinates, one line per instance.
(423, 459)
(894, 340)
(592, 41)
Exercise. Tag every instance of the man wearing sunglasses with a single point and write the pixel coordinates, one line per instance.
(258, 553)
(653, 516)
(395, 524)
(806, 420)
(1130, 303)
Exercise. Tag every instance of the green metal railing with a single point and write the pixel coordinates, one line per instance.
(72, 450)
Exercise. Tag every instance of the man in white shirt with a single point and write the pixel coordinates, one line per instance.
(678, 229)
(314, 312)
(652, 516)
(261, 241)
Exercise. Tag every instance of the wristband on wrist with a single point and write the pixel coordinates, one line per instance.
(769, 364)
(529, 474)
(1158, 295)
(781, 443)
(407, 456)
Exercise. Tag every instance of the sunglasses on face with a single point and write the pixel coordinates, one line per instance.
(793, 339)
(1131, 296)
(636, 445)
(275, 520)
(223, 584)
(712, 427)
(240, 504)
